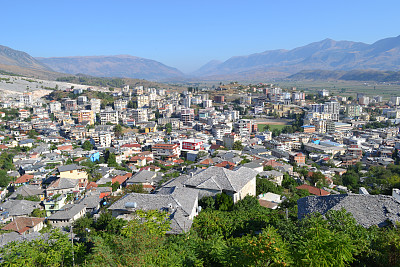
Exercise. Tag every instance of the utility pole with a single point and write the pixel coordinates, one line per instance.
(72, 243)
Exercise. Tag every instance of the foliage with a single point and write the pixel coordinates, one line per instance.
(87, 145)
(115, 186)
(207, 202)
(237, 145)
(4, 178)
(38, 213)
(263, 185)
(223, 202)
(54, 251)
(134, 188)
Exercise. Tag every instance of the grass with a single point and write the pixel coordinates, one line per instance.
(261, 127)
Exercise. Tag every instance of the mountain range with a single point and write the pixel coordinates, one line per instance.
(326, 55)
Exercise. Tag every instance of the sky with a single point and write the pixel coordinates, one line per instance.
(188, 34)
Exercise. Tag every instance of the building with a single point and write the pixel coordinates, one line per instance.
(70, 104)
(166, 150)
(308, 128)
(245, 127)
(143, 101)
(187, 115)
(95, 105)
(86, 116)
(353, 111)
(74, 171)
(54, 106)
(24, 114)
(120, 104)
(140, 115)
(109, 116)
(323, 93)
(214, 180)
(230, 139)
(26, 99)
(192, 144)
(298, 158)
(219, 99)
(395, 100)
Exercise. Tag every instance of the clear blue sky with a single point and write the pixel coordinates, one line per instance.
(187, 34)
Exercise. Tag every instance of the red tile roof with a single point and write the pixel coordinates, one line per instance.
(22, 224)
(313, 190)
(23, 179)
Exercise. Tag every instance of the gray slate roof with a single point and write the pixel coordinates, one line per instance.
(368, 210)
(143, 176)
(67, 212)
(217, 178)
(69, 167)
(19, 207)
(28, 190)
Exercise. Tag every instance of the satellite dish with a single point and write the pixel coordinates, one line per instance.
(130, 205)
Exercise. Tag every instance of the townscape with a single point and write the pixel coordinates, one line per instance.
(153, 176)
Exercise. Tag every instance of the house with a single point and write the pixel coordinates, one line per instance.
(367, 210)
(313, 190)
(166, 150)
(25, 225)
(143, 177)
(18, 208)
(274, 176)
(67, 215)
(215, 180)
(74, 171)
(181, 204)
(52, 205)
(62, 186)
(28, 191)
(24, 179)
(255, 165)
(298, 158)
(192, 144)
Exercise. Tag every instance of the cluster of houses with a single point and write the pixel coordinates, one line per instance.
(179, 147)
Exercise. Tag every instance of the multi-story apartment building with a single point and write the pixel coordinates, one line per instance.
(166, 150)
(95, 105)
(140, 114)
(86, 115)
(109, 116)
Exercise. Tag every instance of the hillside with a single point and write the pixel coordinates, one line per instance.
(124, 66)
(9, 56)
(324, 55)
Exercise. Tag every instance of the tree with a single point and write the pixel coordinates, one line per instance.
(168, 128)
(4, 178)
(264, 186)
(207, 202)
(115, 186)
(317, 177)
(118, 130)
(38, 213)
(87, 145)
(237, 145)
(223, 202)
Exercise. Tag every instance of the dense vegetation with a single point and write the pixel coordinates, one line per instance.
(244, 235)
(93, 81)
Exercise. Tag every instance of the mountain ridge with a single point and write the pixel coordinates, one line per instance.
(327, 54)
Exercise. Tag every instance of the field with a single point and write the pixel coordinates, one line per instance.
(261, 127)
(346, 88)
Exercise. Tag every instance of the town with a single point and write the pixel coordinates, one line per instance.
(79, 160)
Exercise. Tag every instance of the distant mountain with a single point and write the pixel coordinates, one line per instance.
(11, 57)
(351, 75)
(324, 55)
(124, 66)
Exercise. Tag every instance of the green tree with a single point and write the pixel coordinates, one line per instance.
(5, 179)
(115, 186)
(237, 145)
(38, 213)
(223, 202)
(87, 145)
(118, 130)
(168, 128)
